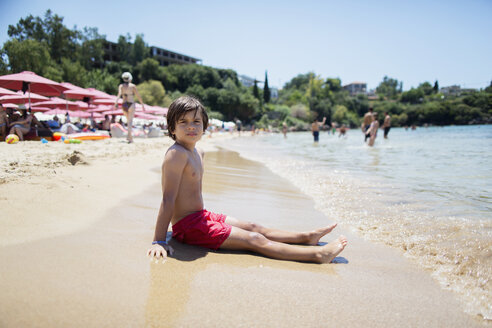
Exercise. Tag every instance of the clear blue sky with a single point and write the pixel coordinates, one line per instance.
(412, 41)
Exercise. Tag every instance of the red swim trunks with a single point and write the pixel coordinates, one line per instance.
(202, 228)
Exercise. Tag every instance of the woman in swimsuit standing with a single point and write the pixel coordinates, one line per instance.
(128, 91)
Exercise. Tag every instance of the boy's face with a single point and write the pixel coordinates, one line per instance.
(189, 127)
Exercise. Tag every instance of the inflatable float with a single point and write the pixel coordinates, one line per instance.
(88, 136)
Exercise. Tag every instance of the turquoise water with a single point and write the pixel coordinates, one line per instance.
(427, 192)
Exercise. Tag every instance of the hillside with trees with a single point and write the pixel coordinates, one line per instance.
(47, 47)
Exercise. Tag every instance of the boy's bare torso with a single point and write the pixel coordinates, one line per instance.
(189, 196)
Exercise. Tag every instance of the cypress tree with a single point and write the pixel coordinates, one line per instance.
(256, 92)
(266, 90)
(436, 87)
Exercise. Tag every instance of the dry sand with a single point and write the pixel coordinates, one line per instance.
(73, 240)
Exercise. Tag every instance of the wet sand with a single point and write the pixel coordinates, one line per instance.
(96, 274)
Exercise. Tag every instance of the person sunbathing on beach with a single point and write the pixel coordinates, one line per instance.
(182, 204)
(4, 122)
(22, 126)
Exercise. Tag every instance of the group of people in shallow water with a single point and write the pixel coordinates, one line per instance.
(369, 127)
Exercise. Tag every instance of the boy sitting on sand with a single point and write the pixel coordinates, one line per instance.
(182, 203)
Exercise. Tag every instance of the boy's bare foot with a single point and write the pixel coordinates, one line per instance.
(315, 236)
(328, 252)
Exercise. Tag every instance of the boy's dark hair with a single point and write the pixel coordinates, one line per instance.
(179, 107)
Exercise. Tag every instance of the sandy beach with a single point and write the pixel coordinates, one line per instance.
(76, 221)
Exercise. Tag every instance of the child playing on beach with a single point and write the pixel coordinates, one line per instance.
(182, 204)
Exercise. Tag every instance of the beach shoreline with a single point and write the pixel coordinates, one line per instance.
(80, 235)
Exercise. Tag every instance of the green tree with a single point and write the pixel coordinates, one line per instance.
(91, 51)
(333, 84)
(73, 72)
(426, 88)
(125, 48)
(27, 55)
(102, 80)
(256, 93)
(60, 41)
(148, 69)
(389, 88)
(140, 51)
(152, 92)
(436, 87)
(300, 82)
(413, 96)
(266, 90)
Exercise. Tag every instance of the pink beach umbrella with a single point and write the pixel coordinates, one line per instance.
(100, 108)
(99, 94)
(148, 116)
(156, 110)
(59, 103)
(75, 92)
(57, 111)
(10, 105)
(113, 112)
(5, 92)
(20, 98)
(40, 109)
(29, 81)
(107, 101)
(80, 114)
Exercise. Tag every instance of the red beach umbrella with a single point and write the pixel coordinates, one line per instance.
(20, 98)
(100, 108)
(156, 110)
(5, 92)
(99, 94)
(79, 113)
(113, 112)
(40, 109)
(57, 111)
(149, 116)
(31, 82)
(59, 103)
(107, 101)
(78, 93)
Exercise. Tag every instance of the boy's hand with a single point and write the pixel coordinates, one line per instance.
(157, 251)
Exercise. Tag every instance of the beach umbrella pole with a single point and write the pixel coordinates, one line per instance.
(29, 90)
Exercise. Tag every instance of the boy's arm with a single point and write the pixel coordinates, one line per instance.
(323, 122)
(172, 171)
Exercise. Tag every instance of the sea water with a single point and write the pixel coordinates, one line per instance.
(427, 192)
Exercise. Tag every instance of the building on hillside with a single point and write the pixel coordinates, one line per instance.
(249, 82)
(356, 88)
(452, 90)
(246, 80)
(167, 57)
(163, 56)
(371, 95)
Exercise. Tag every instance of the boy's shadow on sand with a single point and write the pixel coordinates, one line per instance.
(187, 253)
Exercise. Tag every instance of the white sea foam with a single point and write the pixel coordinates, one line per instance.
(402, 193)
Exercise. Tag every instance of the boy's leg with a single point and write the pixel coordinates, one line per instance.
(240, 239)
(307, 237)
